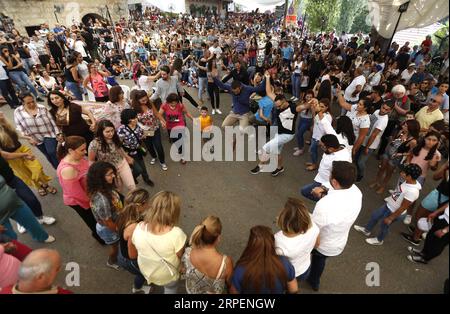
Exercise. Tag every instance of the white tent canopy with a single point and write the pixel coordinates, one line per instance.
(383, 14)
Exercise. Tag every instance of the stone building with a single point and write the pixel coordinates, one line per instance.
(28, 14)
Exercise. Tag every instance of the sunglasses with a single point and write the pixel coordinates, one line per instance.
(435, 101)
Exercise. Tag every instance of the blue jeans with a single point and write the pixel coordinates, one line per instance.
(305, 275)
(21, 79)
(131, 265)
(317, 267)
(303, 125)
(75, 89)
(379, 215)
(307, 189)
(198, 54)
(202, 86)
(48, 148)
(252, 61)
(24, 216)
(313, 150)
(296, 85)
(9, 93)
(361, 160)
(26, 195)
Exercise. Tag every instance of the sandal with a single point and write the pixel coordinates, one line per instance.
(50, 189)
(42, 191)
(311, 168)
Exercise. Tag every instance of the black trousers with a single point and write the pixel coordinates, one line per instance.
(89, 220)
(191, 100)
(9, 93)
(155, 147)
(385, 137)
(214, 94)
(139, 167)
(434, 246)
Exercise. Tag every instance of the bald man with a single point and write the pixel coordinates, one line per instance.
(430, 113)
(37, 274)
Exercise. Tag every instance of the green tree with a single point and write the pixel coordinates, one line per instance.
(350, 9)
(322, 15)
(359, 23)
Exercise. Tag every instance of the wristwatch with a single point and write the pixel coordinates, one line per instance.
(325, 190)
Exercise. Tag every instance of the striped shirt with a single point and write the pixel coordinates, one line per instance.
(39, 126)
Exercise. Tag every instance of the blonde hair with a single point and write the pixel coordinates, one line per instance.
(164, 209)
(294, 217)
(8, 134)
(207, 232)
(130, 213)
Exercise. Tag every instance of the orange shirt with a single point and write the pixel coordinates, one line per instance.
(205, 122)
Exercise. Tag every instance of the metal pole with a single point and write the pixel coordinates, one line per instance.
(402, 9)
(116, 41)
(56, 17)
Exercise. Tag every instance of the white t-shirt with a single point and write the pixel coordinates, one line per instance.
(130, 47)
(79, 47)
(144, 83)
(298, 249)
(326, 164)
(359, 80)
(406, 75)
(403, 191)
(341, 137)
(318, 130)
(359, 122)
(443, 216)
(217, 51)
(377, 122)
(334, 214)
(48, 84)
(3, 74)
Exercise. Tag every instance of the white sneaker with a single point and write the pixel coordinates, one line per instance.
(143, 290)
(292, 98)
(47, 220)
(374, 241)
(362, 230)
(153, 161)
(424, 235)
(21, 229)
(50, 239)
(218, 111)
(213, 112)
(296, 148)
(298, 152)
(164, 167)
(407, 219)
(391, 191)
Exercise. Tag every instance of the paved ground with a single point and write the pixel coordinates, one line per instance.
(242, 200)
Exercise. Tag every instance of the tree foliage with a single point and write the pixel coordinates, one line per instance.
(350, 10)
(359, 24)
(322, 15)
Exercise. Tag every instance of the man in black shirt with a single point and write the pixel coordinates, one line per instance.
(239, 73)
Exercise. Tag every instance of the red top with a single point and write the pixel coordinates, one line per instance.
(174, 116)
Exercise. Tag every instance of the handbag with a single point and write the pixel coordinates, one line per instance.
(141, 149)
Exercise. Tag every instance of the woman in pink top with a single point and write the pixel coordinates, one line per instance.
(98, 85)
(9, 268)
(174, 112)
(72, 171)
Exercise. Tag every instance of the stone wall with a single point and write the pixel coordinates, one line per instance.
(34, 12)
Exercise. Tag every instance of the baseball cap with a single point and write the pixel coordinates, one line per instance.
(412, 170)
(413, 65)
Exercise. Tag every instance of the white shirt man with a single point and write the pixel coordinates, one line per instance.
(351, 94)
(378, 122)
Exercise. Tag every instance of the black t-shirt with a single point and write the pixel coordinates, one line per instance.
(285, 119)
(5, 170)
(443, 187)
(374, 106)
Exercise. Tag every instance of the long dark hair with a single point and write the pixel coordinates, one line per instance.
(413, 128)
(421, 144)
(138, 94)
(344, 126)
(177, 65)
(70, 142)
(101, 126)
(96, 179)
(263, 267)
(324, 90)
(53, 107)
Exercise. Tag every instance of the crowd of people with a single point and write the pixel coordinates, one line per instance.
(338, 93)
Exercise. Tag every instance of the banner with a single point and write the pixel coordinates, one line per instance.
(292, 12)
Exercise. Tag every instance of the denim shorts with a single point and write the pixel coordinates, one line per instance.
(110, 237)
(431, 201)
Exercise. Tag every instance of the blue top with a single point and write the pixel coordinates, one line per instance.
(266, 104)
(287, 52)
(279, 288)
(241, 101)
(444, 105)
